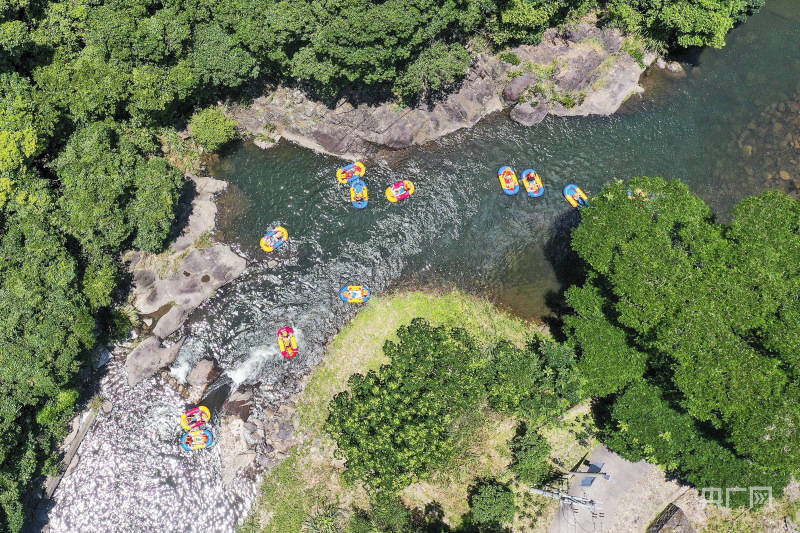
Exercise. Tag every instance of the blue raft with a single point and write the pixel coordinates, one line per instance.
(358, 193)
(197, 439)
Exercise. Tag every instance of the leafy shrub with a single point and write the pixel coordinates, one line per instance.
(492, 503)
(327, 519)
(531, 457)
(509, 57)
(212, 128)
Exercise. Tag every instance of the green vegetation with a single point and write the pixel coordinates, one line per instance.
(492, 504)
(509, 57)
(211, 128)
(91, 94)
(687, 330)
(478, 442)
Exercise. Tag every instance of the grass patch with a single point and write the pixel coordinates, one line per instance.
(635, 48)
(203, 241)
(510, 58)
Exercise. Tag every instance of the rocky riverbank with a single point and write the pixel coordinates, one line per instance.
(582, 70)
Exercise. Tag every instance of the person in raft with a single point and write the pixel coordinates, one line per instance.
(358, 197)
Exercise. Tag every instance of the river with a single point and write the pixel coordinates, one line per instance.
(457, 230)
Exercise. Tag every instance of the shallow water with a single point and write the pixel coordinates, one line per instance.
(457, 230)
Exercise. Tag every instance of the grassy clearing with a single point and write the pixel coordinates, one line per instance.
(311, 477)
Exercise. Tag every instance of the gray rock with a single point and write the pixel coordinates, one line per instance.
(528, 115)
(171, 321)
(517, 86)
(235, 453)
(107, 407)
(148, 357)
(590, 61)
(203, 373)
(240, 403)
(285, 430)
(661, 63)
(675, 67)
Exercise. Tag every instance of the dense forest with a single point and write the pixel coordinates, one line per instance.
(90, 91)
(687, 331)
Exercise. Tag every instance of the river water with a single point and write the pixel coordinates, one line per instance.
(457, 230)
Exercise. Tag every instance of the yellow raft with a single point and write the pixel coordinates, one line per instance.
(350, 171)
(274, 239)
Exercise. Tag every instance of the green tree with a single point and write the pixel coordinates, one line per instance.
(212, 128)
(697, 310)
(392, 427)
(531, 457)
(434, 69)
(492, 504)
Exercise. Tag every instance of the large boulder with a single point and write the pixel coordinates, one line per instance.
(171, 321)
(528, 115)
(202, 375)
(148, 357)
(240, 403)
(235, 448)
(517, 86)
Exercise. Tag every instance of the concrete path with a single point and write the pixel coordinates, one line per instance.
(623, 476)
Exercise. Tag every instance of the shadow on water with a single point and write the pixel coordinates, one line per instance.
(567, 265)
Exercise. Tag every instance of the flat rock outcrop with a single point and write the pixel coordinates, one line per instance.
(148, 357)
(578, 71)
(170, 286)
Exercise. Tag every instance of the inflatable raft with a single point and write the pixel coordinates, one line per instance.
(358, 193)
(274, 239)
(287, 341)
(508, 180)
(532, 183)
(355, 294)
(348, 172)
(575, 196)
(399, 191)
(196, 417)
(197, 439)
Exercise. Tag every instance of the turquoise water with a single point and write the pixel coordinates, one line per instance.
(459, 229)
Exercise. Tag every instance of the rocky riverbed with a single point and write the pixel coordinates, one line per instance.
(771, 146)
(580, 70)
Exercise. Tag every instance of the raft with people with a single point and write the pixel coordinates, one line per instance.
(359, 195)
(575, 196)
(274, 239)
(348, 172)
(195, 417)
(197, 439)
(287, 342)
(400, 191)
(355, 294)
(532, 183)
(508, 180)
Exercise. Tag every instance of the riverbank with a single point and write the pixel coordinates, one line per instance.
(578, 70)
(311, 476)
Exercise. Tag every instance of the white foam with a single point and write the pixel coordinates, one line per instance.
(256, 359)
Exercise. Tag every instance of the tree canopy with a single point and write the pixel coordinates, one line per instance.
(688, 328)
